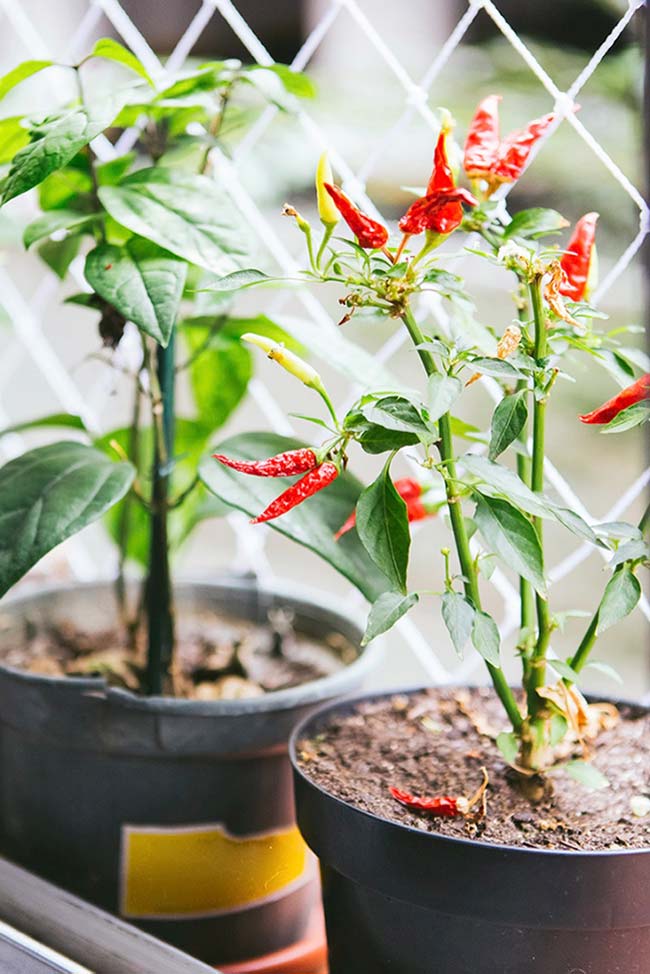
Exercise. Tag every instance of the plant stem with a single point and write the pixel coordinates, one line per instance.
(524, 469)
(159, 600)
(126, 511)
(537, 664)
(468, 568)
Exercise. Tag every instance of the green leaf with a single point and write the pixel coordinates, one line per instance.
(59, 420)
(621, 595)
(189, 215)
(294, 82)
(238, 280)
(458, 616)
(312, 524)
(511, 536)
(634, 550)
(47, 495)
(587, 775)
(382, 526)
(508, 744)
(142, 281)
(534, 223)
(497, 368)
(442, 393)
(67, 188)
(53, 145)
(634, 415)
(605, 669)
(399, 414)
(375, 439)
(219, 376)
(59, 254)
(564, 669)
(21, 73)
(508, 421)
(48, 223)
(13, 136)
(559, 726)
(107, 48)
(386, 611)
(485, 637)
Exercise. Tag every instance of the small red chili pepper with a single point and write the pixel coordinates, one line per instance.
(497, 160)
(443, 805)
(432, 211)
(637, 392)
(369, 233)
(577, 262)
(410, 491)
(318, 478)
(283, 465)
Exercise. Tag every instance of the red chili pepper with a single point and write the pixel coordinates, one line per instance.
(637, 392)
(318, 478)
(577, 261)
(431, 212)
(369, 233)
(410, 491)
(283, 465)
(496, 160)
(442, 178)
(443, 805)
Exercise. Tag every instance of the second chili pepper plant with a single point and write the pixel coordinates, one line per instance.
(491, 487)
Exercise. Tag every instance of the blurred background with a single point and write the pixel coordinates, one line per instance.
(381, 71)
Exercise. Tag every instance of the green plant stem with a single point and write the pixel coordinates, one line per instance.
(126, 511)
(524, 469)
(468, 568)
(327, 233)
(159, 599)
(537, 664)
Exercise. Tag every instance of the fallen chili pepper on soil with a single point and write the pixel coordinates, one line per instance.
(497, 160)
(410, 491)
(283, 465)
(318, 478)
(637, 392)
(370, 234)
(578, 262)
(445, 806)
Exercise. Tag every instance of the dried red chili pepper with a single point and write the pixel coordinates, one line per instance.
(496, 160)
(369, 233)
(283, 465)
(443, 805)
(578, 260)
(637, 392)
(410, 491)
(318, 478)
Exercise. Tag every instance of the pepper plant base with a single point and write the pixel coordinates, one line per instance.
(435, 743)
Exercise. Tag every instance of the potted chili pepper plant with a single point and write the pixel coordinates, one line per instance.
(467, 829)
(144, 727)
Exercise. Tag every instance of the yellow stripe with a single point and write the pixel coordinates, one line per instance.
(203, 869)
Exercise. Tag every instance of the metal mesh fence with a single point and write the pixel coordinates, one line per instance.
(30, 347)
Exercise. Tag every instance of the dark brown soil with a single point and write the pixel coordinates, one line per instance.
(218, 657)
(435, 743)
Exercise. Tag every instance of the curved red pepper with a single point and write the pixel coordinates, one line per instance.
(442, 178)
(318, 478)
(410, 491)
(369, 233)
(576, 262)
(283, 465)
(496, 160)
(443, 805)
(637, 392)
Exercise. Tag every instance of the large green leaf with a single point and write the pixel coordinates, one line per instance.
(48, 494)
(534, 223)
(621, 595)
(219, 375)
(511, 536)
(312, 524)
(21, 73)
(110, 49)
(69, 420)
(382, 526)
(142, 281)
(189, 215)
(485, 637)
(53, 145)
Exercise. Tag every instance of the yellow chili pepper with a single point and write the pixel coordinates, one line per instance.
(327, 211)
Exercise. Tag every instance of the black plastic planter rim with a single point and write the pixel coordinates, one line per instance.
(319, 717)
(307, 694)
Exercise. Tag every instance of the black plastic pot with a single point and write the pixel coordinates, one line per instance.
(406, 901)
(177, 814)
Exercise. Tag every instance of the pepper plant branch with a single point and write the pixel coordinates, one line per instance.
(461, 540)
